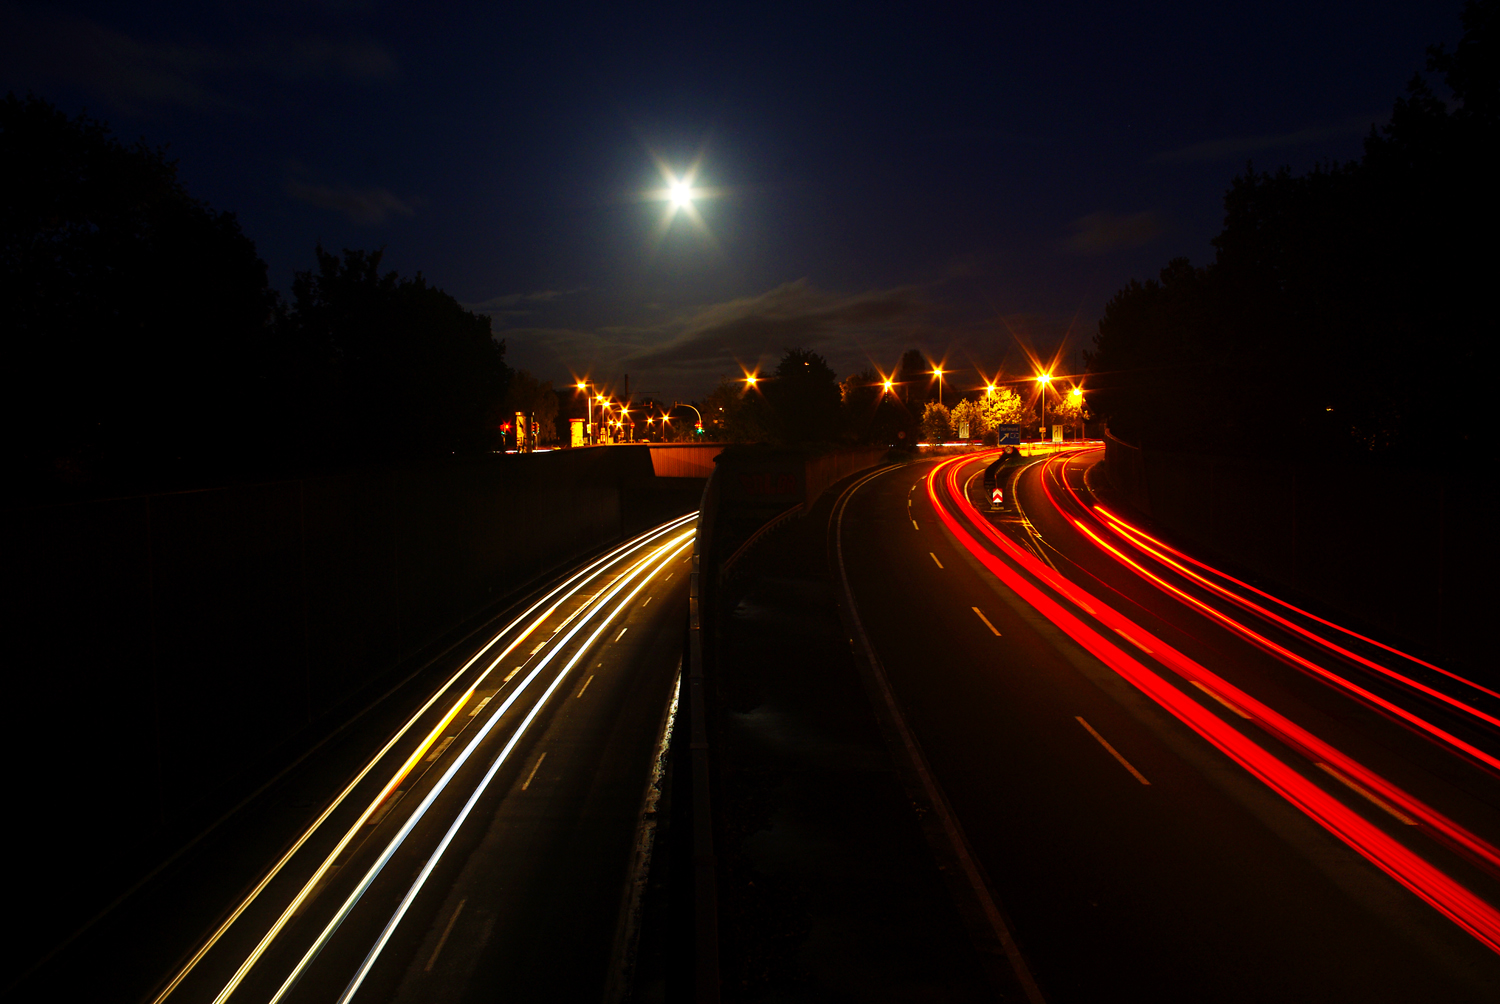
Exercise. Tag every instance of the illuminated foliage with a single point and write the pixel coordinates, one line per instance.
(937, 423)
(971, 414)
(1003, 407)
(1071, 410)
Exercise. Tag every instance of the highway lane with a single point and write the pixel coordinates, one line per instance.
(490, 840)
(1144, 836)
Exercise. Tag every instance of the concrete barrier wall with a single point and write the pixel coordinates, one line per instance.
(160, 646)
(1403, 551)
(831, 468)
(691, 461)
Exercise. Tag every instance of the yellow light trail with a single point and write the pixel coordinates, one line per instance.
(537, 705)
(598, 603)
(608, 559)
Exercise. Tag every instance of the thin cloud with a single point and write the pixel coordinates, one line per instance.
(365, 206)
(793, 314)
(520, 304)
(1103, 232)
(1239, 146)
(136, 74)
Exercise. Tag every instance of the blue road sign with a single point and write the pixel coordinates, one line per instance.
(1010, 435)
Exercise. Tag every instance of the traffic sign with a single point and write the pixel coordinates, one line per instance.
(1010, 435)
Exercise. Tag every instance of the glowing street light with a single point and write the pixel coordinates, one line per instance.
(1045, 380)
(681, 194)
(588, 400)
(937, 371)
(890, 386)
(751, 380)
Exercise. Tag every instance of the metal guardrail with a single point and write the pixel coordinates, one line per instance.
(705, 860)
(756, 537)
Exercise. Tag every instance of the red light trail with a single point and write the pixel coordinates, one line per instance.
(1402, 863)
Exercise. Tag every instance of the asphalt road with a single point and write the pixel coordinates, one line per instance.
(490, 847)
(1177, 787)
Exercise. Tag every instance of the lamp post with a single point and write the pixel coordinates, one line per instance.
(684, 404)
(1077, 394)
(937, 371)
(1045, 379)
(588, 401)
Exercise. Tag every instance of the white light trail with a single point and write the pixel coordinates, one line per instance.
(541, 702)
(353, 899)
(606, 560)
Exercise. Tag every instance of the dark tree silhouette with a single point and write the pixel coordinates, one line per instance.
(137, 319)
(914, 378)
(871, 415)
(803, 398)
(1340, 303)
(395, 368)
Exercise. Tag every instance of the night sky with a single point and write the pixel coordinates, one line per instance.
(960, 179)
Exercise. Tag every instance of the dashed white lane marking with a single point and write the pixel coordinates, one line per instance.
(1359, 789)
(527, 783)
(1112, 751)
(983, 617)
(437, 750)
(569, 619)
(480, 706)
(1132, 641)
(647, 600)
(585, 685)
(935, 560)
(914, 525)
(385, 807)
(1221, 700)
(622, 633)
(444, 939)
(511, 674)
(538, 648)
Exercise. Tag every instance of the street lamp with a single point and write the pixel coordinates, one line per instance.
(1045, 379)
(937, 371)
(588, 401)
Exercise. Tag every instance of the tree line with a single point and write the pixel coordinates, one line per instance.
(803, 401)
(147, 349)
(1345, 313)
